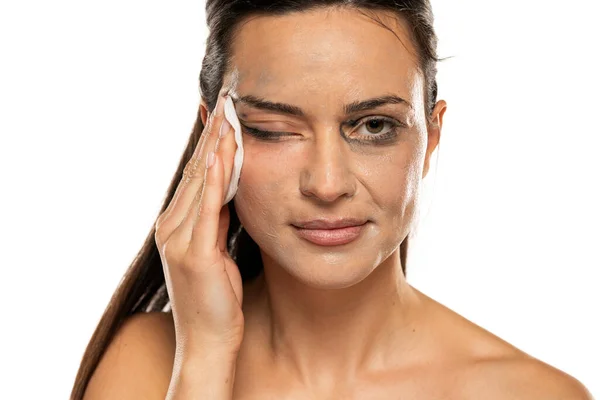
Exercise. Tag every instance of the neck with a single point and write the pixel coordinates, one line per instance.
(334, 335)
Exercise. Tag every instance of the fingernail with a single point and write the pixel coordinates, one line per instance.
(225, 126)
(210, 160)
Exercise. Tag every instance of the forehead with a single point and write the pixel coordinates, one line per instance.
(326, 53)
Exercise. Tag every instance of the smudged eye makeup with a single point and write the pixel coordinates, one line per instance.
(372, 130)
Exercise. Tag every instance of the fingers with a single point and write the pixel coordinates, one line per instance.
(190, 186)
(205, 227)
(209, 230)
(201, 224)
(191, 176)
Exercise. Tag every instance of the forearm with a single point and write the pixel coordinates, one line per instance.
(203, 376)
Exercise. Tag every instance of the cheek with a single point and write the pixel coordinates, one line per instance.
(390, 178)
(401, 194)
(269, 167)
(393, 184)
(261, 187)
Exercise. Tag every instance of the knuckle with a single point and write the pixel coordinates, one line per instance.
(160, 221)
(189, 266)
(198, 196)
(209, 124)
(172, 251)
(162, 230)
(194, 263)
(192, 170)
(160, 238)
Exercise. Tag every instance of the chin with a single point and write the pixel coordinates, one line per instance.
(325, 274)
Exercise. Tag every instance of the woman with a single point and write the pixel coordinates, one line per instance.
(297, 288)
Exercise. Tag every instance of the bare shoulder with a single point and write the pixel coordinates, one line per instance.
(139, 360)
(522, 378)
(495, 369)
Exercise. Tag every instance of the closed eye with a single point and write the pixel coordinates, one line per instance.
(264, 135)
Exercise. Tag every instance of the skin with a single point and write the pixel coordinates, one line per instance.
(342, 322)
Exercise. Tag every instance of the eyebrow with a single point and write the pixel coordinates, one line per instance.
(356, 106)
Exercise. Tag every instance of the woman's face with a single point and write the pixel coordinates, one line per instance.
(331, 162)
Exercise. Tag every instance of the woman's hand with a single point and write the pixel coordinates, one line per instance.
(203, 282)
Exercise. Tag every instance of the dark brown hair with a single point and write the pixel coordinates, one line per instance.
(142, 288)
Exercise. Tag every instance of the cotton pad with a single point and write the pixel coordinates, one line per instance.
(238, 159)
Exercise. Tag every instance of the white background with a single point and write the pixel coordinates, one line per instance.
(98, 99)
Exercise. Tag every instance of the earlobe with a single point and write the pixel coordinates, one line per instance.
(425, 167)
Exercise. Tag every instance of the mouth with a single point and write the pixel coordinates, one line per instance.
(331, 233)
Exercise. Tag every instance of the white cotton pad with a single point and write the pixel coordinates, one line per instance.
(238, 159)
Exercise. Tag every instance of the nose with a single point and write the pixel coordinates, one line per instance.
(327, 175)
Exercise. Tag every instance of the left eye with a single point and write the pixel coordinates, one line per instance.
(374, 126)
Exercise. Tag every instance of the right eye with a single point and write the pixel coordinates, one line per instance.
(264, 135)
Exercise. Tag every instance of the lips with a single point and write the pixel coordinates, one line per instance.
(331, 232)
(330, 223)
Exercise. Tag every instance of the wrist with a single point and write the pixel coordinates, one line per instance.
(206, 353)
(206, 374)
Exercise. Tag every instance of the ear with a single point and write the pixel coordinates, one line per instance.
(434, 131)
(203, 111)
